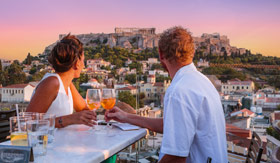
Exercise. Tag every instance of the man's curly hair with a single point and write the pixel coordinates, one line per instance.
(176, 44)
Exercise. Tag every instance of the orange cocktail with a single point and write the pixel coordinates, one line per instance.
(108, 103)
(93, 105)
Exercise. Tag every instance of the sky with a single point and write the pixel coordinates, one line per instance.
(31, 25)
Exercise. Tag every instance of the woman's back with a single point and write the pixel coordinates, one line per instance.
(63, 103)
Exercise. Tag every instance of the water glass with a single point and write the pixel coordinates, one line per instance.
(18, 130)
(37, 131)
(51, 119)
(33, 115)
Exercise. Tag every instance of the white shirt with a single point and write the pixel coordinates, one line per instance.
(194, 123)
(63, 103)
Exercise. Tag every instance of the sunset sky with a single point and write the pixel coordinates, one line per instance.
(31, 25)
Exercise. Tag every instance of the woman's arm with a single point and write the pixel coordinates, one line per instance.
(78, 101)
(85, 117)
(45, 94)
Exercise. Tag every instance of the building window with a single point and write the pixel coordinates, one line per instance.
(237, 87)
(10, 91)
(155, 89)
(232, 87)
(22, 91)
(16, 91)
(242, 87)
(247, 87)
(227, 87)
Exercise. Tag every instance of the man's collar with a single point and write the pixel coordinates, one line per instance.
(186, 68)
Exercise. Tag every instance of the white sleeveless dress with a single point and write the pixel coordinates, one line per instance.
(63, 104)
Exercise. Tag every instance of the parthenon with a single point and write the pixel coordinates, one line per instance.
(136, 30)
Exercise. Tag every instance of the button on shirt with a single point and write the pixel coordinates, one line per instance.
(194, 123)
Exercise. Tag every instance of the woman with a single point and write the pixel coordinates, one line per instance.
(56, 94)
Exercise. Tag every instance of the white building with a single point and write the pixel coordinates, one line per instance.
(17, 93)
(237, 85)
(96, 64)
(130, 89)
(266, 100)
(144, 66)
(202, 63)
(154, 90)
(92, 83)
(36, 63)
(158, 72)
(6, 63)
(128, 62)
(122, 70)
(152, 61)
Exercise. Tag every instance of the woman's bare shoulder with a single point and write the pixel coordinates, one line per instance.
(49, 84)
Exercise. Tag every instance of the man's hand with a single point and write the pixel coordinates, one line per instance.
(116, 114)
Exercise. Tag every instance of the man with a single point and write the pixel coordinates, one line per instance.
(193, 123)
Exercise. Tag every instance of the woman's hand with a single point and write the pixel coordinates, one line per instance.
(85, 117)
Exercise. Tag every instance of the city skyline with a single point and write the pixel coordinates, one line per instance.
(30, 26)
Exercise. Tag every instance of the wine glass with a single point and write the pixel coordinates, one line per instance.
(108, 99)
(93, 98)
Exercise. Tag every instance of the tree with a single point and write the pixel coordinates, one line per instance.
(225, 55)
(3, 78)
(0, 65)
(128, 98)
(28, 59)
(38, 76)
(160, 78)
(15, 74)
(157, 66)
(131, 78)
(142, 95)
(278, 107)
(136, 65)
(33, 70)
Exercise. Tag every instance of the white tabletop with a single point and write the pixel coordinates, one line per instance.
(78, 144)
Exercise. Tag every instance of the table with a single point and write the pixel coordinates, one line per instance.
(78, 144)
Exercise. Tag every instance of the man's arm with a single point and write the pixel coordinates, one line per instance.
(171, 158)
(154, 124)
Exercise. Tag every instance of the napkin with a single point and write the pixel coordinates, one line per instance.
(126, 126)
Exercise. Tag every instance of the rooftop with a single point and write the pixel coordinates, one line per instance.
(245, 111)
(18, 86)
(127, 88)
(158, 84)
(273, 100)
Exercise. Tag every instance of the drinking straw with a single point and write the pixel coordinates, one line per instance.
(18, 118)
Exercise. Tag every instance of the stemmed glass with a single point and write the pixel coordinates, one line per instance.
(93, 98)
(108, 99)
